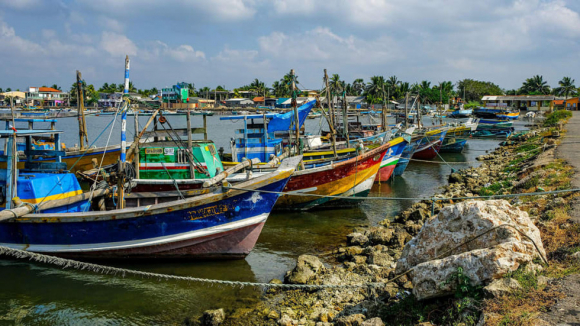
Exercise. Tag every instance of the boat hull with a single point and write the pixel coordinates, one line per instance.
(405, 156)
(389, 162)
(428, 153)
(338, 179)
(455, 147)
(217, 225)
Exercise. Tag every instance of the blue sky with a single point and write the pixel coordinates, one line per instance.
(231, 42)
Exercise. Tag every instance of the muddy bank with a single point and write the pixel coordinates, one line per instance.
(526, 164)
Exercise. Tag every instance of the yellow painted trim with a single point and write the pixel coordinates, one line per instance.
(53, 197)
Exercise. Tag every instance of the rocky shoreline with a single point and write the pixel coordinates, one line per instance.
(370, 254)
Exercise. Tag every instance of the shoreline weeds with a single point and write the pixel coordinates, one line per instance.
(371, 253)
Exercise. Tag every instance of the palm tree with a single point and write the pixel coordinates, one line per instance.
(566, 87)
(536, 85)
(55, 86)
(358, 86)
(374, 89)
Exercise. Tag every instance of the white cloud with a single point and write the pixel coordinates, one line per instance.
(11, 43)
(111, 24)
(117, 44)
(321, 44)
(191, 11)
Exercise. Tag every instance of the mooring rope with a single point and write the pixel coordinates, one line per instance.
(434, 198)
(115, 271)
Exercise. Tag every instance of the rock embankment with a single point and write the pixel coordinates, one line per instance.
(471, 235)
(371, 254)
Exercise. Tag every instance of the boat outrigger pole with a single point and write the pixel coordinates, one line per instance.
(83, 137)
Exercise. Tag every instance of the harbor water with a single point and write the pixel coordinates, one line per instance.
(37, 294)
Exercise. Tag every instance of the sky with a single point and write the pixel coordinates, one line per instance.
(232, 42)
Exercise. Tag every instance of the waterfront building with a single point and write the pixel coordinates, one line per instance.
(113, 100)
(570, 103)
(522, 102)
(46, 96)
(178, 93)
(17, 96)
(239, 102)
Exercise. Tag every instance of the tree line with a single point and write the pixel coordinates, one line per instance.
(377, 90)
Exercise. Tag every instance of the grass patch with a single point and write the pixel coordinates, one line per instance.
(527, 148)
(553, 118)
(521, 307)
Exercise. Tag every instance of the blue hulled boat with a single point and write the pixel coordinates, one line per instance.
(452, 145)
(58, 219)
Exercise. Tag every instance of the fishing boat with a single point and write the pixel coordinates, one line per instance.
(430, 144)
(265, 135)
(461, 113)
(509, 115)
(351, 178)
(486, 112)
(497, 122)
(405, 157)
(489, 133)
(453, 145)
(391, 159)
(58, 219)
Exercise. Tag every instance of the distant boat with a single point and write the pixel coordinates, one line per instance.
(513, 115)
(461, 113)
(453, 145)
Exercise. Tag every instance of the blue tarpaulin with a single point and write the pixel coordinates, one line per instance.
(283, 121)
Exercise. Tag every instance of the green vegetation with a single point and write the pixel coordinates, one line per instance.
(553, 118)
(475, 89)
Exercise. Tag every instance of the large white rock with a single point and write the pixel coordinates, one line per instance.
(486, 258)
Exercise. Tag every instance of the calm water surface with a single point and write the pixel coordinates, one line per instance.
(36, 294)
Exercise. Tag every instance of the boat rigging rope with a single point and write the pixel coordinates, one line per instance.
(179, 143)
(94, 186)
(102, 269)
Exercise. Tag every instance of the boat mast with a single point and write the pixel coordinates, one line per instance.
(406, 110)
(83, 137)
(330, 119)
(12, 163)
(345, 115)
(123, 159)
(294, 106)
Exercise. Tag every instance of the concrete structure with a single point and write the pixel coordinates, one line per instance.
(522, 102)
(46, 96)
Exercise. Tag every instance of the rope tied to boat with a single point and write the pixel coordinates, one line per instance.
(123, 272)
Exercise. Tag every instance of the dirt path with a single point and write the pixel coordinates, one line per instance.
(569, 150)
(567, 310)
